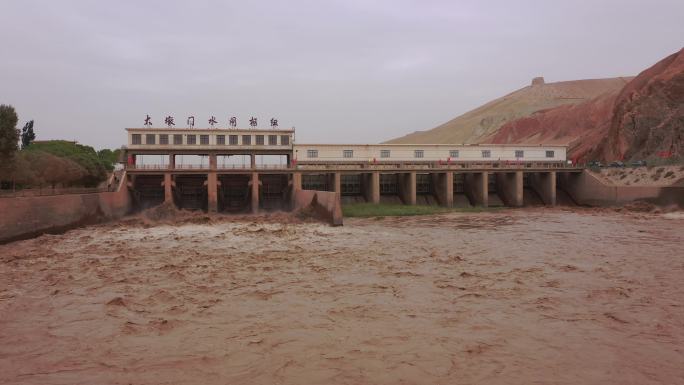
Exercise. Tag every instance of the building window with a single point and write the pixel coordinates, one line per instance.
(273, 140)
(418, 153)
(192, 139)
(384, 153)
(312, 153)
(136, 139)
(163, 139)
(149, 139)
(177, 139)
(247, 140)
(453, 154)
(284, 140)
(519, 153)
(260, 140)
(204, 139)
(233, 140)
(348, 153)
(486, 154)
(550, 154)
(221, 140)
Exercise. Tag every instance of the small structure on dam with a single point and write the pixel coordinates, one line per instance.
(248, 170)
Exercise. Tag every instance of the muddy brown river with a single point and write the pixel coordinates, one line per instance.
(530, 296)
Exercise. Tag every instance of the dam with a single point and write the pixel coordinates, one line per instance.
(243, 171)
(448, 175)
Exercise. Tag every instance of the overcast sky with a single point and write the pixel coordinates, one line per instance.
(350, 71)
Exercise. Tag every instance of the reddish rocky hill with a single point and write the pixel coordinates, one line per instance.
(480, 124)
(579, 126)
(648, 117)
(602, 119)
(642, 120)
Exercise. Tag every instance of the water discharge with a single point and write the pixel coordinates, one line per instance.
(526, 296)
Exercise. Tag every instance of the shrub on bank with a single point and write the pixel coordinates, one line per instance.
(58, 163)
(388, 210)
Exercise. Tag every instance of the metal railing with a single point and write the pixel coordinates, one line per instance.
(35, 192)
(147, 167)
(510, 165)
(502, 165)
(206, 167)
(188, 167)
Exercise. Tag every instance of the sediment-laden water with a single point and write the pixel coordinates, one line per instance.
(527, 296)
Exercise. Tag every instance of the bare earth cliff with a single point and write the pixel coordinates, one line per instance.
(606, 119)
(648, 117)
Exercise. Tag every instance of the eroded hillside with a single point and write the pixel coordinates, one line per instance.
(482, 123)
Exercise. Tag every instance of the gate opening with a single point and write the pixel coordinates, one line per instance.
(234, 193)
(148, 191)
(273, 192)
(191, 192)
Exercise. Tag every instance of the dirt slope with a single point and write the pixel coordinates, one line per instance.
(482, 123)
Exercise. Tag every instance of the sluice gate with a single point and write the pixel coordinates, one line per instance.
(530, 197)
(350, 184)
(234, 193)
(191, 192)
(425, 190)
(389, 189)
(351, 188)
(318, 182)
(493, 200)
(148, 191)
(273, 192)
(460, 197)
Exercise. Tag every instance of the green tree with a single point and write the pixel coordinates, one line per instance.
(27, 134)
(9, 141)
(109, 157)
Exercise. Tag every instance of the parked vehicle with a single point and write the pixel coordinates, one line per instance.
(617, 164)
(638, 163)
(595, 163)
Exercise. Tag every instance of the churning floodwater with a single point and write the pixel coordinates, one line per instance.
(580, 296)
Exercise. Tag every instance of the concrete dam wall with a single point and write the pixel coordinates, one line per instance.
(325, 204)
(25, 217)
(587, 189)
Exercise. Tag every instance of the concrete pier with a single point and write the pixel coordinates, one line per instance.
(444, 188)
(335, 183)
(168, 188)
(371, 187)
(212, 192)
(407, 187)
(296, 185)
(254, 184)
(510, 188)
(544, 184)
(476, 188)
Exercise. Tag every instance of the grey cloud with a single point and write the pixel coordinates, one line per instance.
(340, 71)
